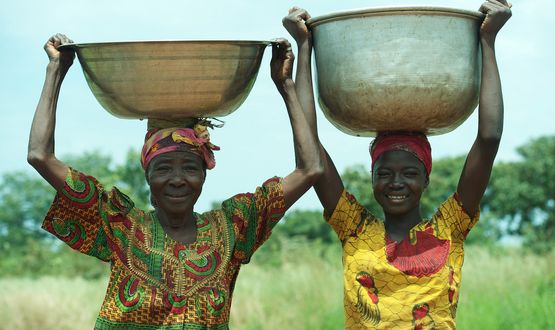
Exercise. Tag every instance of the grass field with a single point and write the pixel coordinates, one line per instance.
(501, 289)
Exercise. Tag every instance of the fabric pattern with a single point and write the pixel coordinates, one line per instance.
(412, 284)
(156, 282)
(195, 140)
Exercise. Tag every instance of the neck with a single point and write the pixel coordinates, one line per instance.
(182, 229)
(398, 226)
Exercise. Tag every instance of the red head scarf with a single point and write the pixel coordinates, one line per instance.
(195, 140)
(415, 143)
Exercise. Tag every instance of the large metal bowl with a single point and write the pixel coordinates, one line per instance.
(170, 79)
(397, 68)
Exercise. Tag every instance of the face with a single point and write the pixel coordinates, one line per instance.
(176, 180)
(398, 180)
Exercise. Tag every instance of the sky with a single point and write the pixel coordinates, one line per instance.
(256, 141)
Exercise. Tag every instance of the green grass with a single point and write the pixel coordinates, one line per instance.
(507, 289)
(50, 303)
(297, 285)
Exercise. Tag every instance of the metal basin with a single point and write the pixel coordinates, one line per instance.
(397, 68)
(170, 79)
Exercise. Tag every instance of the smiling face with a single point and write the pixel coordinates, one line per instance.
(176, 180)
(398, 180)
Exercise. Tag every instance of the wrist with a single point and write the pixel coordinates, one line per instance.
(305, 44)
(286, 87)
(55, 71)
(487, 39)
(54, 65)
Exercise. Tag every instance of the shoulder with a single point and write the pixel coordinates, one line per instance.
(350, 218)
(451, 218)
(119, 202)
(451, 208)
(269, 189)
(86, 190)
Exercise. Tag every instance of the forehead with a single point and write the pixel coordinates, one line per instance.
(178, 156)
(400, 158)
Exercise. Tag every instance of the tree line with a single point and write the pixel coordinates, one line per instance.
(519, 202)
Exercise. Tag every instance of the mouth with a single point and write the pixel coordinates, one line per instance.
(397, 198)
(177, 195)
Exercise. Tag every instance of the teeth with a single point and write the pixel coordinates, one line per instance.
(398, 198)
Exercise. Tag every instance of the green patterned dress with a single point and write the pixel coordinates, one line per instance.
(156, 282)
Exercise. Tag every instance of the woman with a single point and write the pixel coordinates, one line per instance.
(405, 271)
(171, 267)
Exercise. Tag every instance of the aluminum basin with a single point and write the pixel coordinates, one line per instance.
(170, 79)
(397, 68)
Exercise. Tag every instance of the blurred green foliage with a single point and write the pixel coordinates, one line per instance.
(520, 201)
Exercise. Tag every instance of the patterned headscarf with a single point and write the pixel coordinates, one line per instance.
(415, 143)
(163, 140)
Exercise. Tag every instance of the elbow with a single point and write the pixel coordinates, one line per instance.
(490, 142)
(314, 173)
(36, 159)
(491, 138)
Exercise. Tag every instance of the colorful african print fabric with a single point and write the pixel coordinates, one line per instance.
(412, 284)
(156, 282)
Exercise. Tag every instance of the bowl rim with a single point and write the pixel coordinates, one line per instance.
(369, 11)
(76, 45)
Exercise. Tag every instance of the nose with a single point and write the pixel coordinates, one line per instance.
(177, 178)
(397, 181)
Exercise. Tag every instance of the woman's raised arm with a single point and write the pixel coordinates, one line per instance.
(479, 162)
(41, 139)
(328, 186)
(308, 164)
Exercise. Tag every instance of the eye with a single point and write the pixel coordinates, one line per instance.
(162, 168)
(191, 168)
(411, 173)
(382, 174)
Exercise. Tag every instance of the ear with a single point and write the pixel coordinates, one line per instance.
(146, 176)
(426, 182)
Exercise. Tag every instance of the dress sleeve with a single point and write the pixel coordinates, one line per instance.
(253, 215)
(456, 219)
(347, 216)
(80, 213)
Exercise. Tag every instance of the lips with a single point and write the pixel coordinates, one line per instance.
(177, 195)
(397, 198)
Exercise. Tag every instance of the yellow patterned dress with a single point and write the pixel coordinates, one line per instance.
(155, 282)
(413, 284)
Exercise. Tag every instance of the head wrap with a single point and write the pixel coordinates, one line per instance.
(195, 140)
(415, 143)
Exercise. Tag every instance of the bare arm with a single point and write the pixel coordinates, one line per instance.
(479, 162)
(307, 153)
(329, 186)
(41, 139)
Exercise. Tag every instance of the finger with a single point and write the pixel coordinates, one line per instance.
(497, 4)
(500, 5)
(282, 43)
(277, 47)
(504, 3)
(486, 7)
(274, 50)
(55, 40)
(285, 43)
(293, 9)
(304, 15)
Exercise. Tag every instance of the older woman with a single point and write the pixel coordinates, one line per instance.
(405, 271)
(170, 267)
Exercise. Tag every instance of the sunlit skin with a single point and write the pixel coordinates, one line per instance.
(176, 180)
(398, 181)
